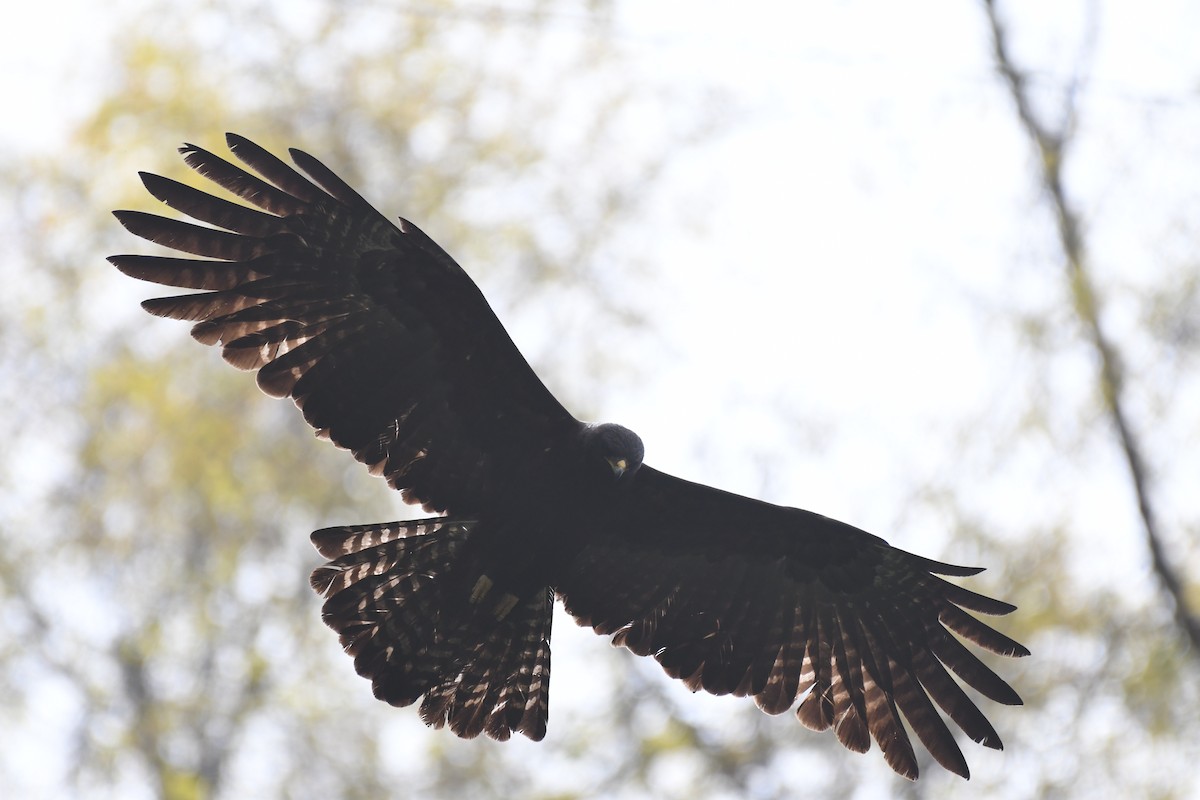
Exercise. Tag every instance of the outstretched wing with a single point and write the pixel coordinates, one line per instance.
(735, 596)
(382, 340)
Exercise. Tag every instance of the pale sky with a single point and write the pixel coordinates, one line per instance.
(840, 311)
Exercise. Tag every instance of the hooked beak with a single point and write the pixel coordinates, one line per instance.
(619, 465)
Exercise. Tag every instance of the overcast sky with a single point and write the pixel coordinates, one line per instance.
(864, 224)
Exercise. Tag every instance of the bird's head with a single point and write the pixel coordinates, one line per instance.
(617, 448)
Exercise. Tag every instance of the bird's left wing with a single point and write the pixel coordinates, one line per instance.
(736, 596)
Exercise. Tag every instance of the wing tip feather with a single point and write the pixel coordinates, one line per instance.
(128, 217)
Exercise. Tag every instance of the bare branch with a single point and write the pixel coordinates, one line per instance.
(1051, 147)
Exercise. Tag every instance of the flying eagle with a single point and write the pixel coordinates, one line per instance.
(391, 352)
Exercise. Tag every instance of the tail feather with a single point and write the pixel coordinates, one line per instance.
(505, 684)
(398, 610)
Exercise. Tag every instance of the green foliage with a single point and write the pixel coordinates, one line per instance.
(155, 553)
(154, 505)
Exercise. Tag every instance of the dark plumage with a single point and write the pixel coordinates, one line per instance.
(391, 352)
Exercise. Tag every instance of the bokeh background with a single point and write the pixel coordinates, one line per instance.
(929, 267)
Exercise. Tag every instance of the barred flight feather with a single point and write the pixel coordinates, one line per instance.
(387, 594)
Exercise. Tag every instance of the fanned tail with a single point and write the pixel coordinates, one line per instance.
(400, 613)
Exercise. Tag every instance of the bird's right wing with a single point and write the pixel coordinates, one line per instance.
(736, 596)
(382, 340)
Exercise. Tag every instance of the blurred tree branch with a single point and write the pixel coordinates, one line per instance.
(1052, 144)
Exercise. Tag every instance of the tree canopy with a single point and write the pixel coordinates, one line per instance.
(127, 544)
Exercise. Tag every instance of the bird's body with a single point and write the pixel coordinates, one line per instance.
(392, 352)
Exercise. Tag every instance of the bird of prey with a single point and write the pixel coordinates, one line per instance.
(391, 352)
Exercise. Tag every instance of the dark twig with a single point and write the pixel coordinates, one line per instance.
(1051, 148)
